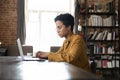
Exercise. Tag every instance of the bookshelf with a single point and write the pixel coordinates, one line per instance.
(99, 22)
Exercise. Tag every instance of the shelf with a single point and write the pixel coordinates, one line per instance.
(114, 68)
(101, 33)
(102, 59)
(107, 54)
(114, 27)
(97, 13)
(100, 13)
(115, 54)
(103, 40)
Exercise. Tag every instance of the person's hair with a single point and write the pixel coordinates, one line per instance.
(67, 19)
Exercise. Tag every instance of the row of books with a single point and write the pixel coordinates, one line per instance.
(101, 49)
(107, 63)
(96, 20)
(102, 35)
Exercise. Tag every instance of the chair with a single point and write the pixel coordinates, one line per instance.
(93, 67)
(54, 48)
(12, 50)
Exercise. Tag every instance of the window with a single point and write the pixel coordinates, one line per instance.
(40, 25)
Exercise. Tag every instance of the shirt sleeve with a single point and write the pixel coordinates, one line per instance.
(57, 55)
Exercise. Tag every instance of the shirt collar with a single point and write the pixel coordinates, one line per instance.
(70, 37)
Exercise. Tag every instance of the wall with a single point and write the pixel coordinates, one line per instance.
(8, 22)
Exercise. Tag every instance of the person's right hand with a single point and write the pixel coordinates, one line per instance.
(41, 54)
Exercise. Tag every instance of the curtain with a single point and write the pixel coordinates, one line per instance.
(21, 29)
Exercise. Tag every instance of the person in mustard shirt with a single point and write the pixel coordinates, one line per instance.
(73, 50)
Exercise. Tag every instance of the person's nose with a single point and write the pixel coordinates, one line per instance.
(57, 30)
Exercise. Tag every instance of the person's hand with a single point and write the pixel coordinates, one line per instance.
(41, 54)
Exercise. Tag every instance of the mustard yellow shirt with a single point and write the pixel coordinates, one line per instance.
(73, 51)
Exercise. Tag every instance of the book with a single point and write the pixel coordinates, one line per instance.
(109, 64)
(95, 20)
(105, 35)
(99, 36)
(99, 63)
(94, 35)
(109, 36)
(113, 35)
(90, 35)
(104, 63)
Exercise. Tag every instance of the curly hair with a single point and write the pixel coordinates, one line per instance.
(67, 19)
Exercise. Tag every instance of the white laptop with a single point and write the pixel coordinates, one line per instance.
(26, 58)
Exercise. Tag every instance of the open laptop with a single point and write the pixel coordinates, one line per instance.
(26, 58)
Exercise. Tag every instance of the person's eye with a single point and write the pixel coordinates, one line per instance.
(59, 27)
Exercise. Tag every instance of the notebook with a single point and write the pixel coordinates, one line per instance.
(26, 58)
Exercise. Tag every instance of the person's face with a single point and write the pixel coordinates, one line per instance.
(61, 29)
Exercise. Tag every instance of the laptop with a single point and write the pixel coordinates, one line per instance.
(26, 58)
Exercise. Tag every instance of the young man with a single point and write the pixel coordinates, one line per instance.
(73, 50)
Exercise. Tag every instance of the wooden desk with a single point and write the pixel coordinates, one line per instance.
(35, 70)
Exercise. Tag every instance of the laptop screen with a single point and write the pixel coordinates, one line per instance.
(20, 48)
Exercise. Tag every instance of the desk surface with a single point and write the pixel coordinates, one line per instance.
(36, 70)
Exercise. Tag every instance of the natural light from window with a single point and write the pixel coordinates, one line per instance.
(40, 25)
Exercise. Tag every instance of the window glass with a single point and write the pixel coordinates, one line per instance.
(49, 5)
(40, 25)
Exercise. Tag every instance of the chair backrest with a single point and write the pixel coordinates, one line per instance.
(13, 50)
(93, 67)
(54, 48)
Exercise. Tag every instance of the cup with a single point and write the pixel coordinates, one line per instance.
(29, 54)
